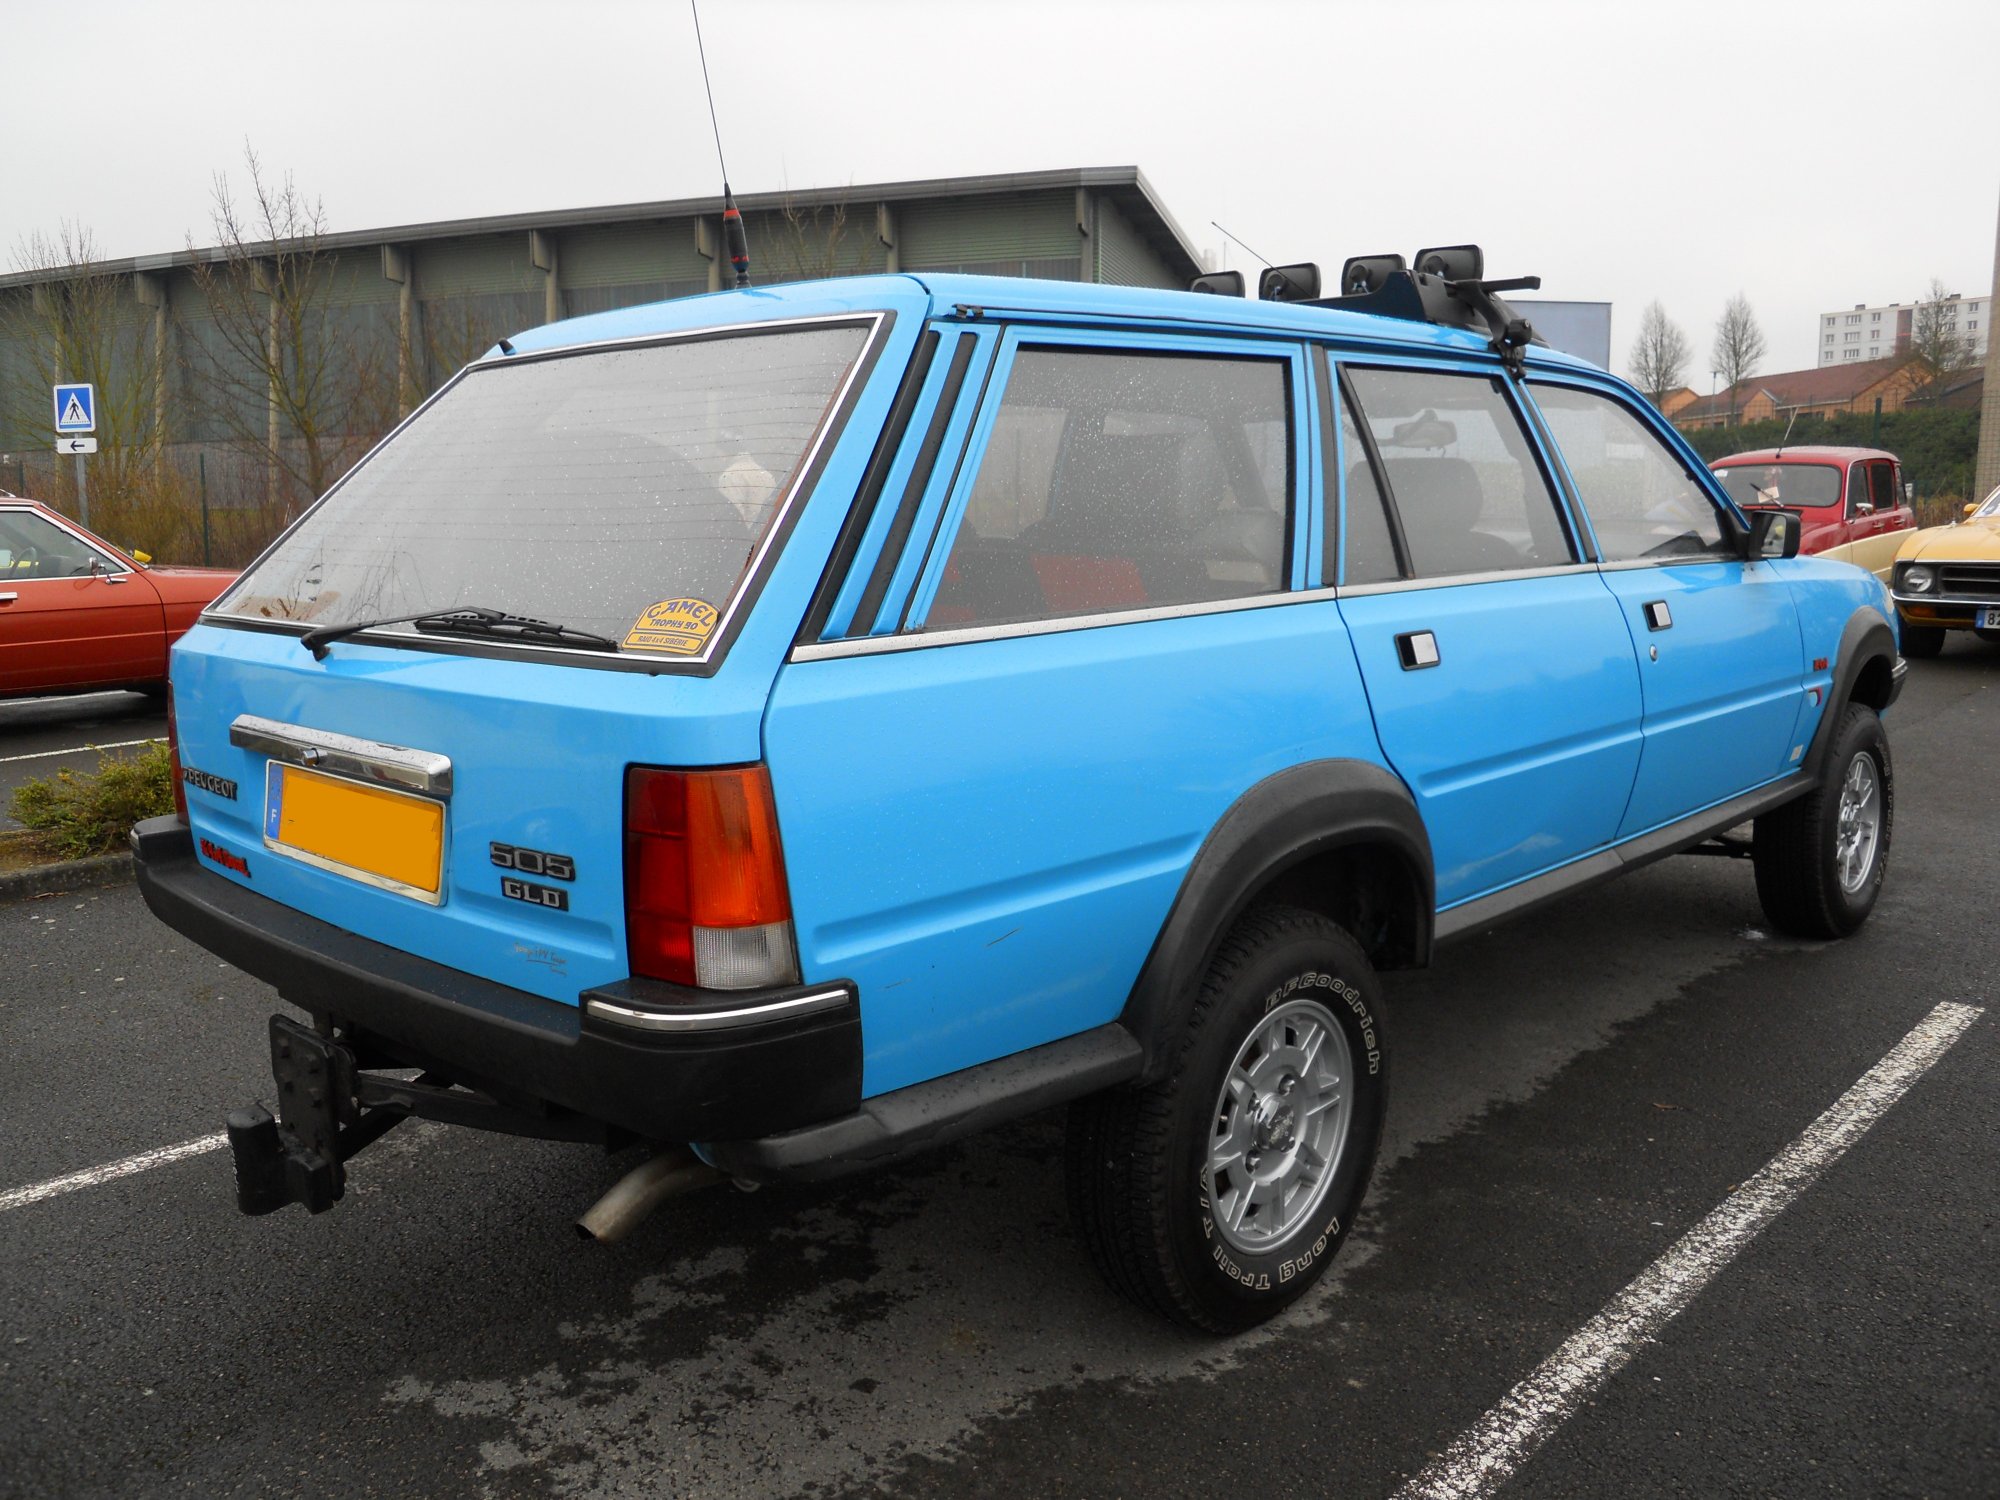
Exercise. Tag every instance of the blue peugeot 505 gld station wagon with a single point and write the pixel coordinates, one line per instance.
(793, 728)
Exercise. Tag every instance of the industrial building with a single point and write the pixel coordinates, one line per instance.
(398, 310)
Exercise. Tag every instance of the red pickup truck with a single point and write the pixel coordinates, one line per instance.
(1850, 500)
(79, 616)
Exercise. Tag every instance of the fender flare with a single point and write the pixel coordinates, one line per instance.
(1295, 815)
(1866, 638)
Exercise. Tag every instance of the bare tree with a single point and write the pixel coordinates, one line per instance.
(1941, 351)
(276, 364)
(79, 322)
(1738, 347)
(807, 244)
(1659, 355)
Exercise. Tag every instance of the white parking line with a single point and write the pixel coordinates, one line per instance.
(78, 750)
(92, 1176)
(1487, 1453)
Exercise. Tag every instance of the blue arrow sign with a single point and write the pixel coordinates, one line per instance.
(76, 408)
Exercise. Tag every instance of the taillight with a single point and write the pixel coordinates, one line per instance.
(705, 897)
(174, 758)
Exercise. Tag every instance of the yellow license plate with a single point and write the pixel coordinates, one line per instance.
(385, 838)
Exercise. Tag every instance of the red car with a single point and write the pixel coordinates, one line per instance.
(1850, 500)
(79, 616)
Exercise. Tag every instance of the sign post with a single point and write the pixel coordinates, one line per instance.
(76, 415)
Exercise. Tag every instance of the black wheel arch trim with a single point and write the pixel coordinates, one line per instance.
(1288, 818)
(1865, 641)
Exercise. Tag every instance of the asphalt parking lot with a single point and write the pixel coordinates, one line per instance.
(1577, 1098)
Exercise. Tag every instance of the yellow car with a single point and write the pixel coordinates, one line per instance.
(1948, 578)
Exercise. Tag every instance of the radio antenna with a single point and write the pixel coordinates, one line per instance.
(733, 237)
(1225, 233)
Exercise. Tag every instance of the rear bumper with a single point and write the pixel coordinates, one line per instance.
(663, 1063)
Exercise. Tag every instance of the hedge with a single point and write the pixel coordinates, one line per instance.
(1938, 448)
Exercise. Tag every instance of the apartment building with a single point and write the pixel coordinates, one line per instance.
(1863, 332)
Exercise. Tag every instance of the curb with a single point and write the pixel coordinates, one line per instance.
(69, 875)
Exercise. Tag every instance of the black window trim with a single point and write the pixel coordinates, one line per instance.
(873, 480)
(868, 609)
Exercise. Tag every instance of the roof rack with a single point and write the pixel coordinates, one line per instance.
(1447, 288)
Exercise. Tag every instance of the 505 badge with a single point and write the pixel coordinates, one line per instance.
(533, 862)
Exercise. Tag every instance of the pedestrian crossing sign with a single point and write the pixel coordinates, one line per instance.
(76, 408)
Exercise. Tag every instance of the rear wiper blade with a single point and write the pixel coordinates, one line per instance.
(468, 619)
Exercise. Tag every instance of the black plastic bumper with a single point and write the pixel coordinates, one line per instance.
(729, 1081)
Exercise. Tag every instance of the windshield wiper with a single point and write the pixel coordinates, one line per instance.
(467, 619)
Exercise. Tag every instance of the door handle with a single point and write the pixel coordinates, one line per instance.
(1658, 616)
(8, 598)
(1417, 649)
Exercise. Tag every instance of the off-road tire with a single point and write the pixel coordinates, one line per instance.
(1138, 1165)
(1922, 642)
(1799, 850)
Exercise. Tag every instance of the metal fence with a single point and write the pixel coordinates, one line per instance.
(192, 505)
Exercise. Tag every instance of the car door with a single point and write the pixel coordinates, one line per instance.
(1500, 673)
(1719, 651)
(1872, 490)
(1094, 640)
(71, 614)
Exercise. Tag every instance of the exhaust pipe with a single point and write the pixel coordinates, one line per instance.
(674, 1171)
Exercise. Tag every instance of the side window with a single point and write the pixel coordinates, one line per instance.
(1857, 488)
(1460, 472)
(38, 548)
(1117, 480)
(1641, 499)
(1371, 554)
(1882, 485)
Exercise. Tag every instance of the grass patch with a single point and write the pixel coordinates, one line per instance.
(73, 815)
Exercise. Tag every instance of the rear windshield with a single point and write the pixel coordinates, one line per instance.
(1781, 484)
(620, 491)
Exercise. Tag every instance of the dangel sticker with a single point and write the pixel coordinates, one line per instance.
(675, 626)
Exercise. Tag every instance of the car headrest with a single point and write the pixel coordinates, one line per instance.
(1249, 536)
(1444, 492)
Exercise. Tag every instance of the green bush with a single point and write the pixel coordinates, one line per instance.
(73, 815)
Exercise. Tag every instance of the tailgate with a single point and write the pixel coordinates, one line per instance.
(469, 810)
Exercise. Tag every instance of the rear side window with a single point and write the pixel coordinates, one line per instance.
(1642, 502)
(1463, 479)
(1116, 480)
(592, 490)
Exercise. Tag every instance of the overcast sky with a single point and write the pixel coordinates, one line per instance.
(1808, 155)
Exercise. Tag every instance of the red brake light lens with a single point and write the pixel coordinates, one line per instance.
(705, 896)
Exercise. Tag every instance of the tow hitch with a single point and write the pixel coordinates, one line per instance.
(330, 1109)
(302, 1159)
